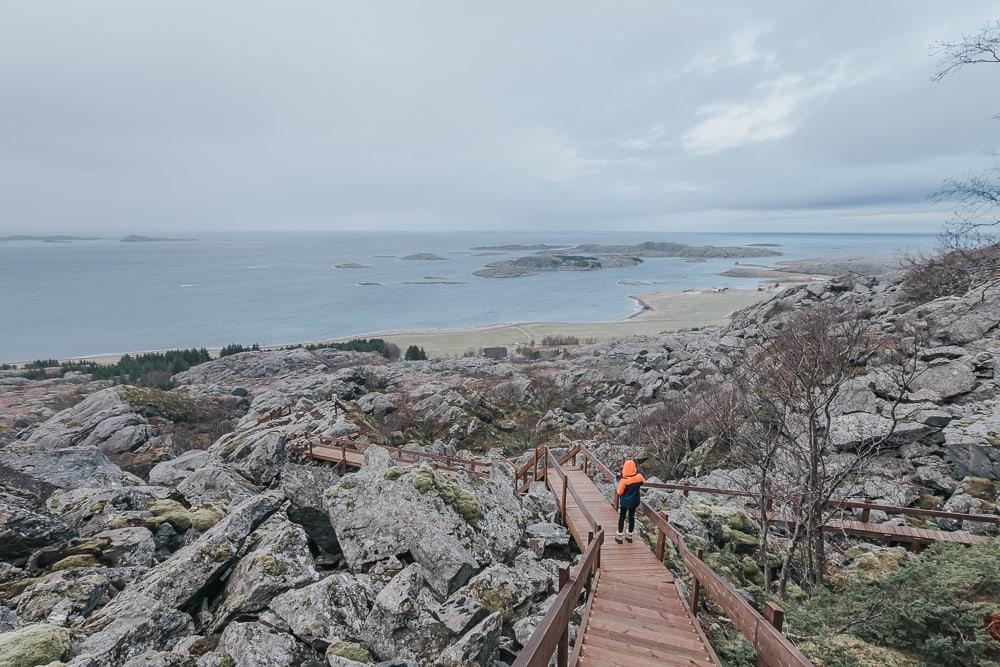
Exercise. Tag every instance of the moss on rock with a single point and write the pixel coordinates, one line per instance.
(980, 487)
(461, 500)
(172, 512)
(38, 644)
(349, 650)
(204, 517)
(841, 650)
(73, 562)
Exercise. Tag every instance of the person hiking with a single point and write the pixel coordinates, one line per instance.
(629, 491)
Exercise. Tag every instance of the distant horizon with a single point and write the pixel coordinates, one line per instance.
(441, 116)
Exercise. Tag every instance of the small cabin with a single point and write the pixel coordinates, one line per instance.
(496, 353)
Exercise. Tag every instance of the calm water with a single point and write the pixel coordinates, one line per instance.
(85, 298)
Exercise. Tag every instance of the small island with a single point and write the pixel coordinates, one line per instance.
(669, 249)
(516, 247)
(425, 256)
(534, 264)
(55, 238)
(351, 265)
(136, 238)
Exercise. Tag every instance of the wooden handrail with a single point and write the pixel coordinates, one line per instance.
(863, 505)
(772, 647)
(566, 486)
(552, 633)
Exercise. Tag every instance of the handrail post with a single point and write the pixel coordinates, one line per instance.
(865, 513)
(562, 659)
(590, 575)
(774, 614)
(534, 464)
(661, 539)
(599, 547)
(695, 586)
(563, 508)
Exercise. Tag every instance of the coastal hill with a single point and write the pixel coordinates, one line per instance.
(183, 520)
(670, 249)
(533, 264)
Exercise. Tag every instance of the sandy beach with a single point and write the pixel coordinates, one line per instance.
(661, 311)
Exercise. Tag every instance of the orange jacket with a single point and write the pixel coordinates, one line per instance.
(630, 485)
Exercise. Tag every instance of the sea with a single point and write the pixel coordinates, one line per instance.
(83, 298)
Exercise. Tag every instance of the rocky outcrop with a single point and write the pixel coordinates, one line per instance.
(38, 472)
(23, 529)
(384, 512)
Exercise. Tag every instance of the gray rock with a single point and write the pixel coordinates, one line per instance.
(37, 644)
(8, 619)
(257, 645)
(948, 379)
(23, 529)
(543, 536)
(103, 420)
(179, 581)
(381, 512)
(259, 456)
(304, 486)
(145, 624)
(38, 472)
(127, 547)
(279, 560)
(376, 404)
(335, 607)
(446, 564)
(92, 510)
(216, 484)
(174, 471)
(976, 459)
(402, 623)
(477, 647)
(64, 597)
(460, 612)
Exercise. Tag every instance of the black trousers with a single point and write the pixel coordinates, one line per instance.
(631, 519)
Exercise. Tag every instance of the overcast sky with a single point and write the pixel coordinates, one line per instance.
(143, 116)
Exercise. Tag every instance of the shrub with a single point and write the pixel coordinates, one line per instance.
(554, 341)
(935, 606)
(236, 348)
(414, 353)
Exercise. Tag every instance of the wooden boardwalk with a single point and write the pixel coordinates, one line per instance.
(883, 532)
(635, 615)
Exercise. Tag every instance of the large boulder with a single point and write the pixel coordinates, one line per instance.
(218, 485)
(476, 647)
(402, 622)
(174, 471)
(304, 485)
(32, 470)
(93, 510)
(258, 455)
(964, 319)
(180, 581)
(64, 597)
(336, 606)
(38, 644)
(144, 624)
(279, 560)
(105, 420)
(23, 529)
(258, 645)
(383, 512)
(947, 379)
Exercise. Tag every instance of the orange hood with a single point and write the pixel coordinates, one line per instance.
(629, 469)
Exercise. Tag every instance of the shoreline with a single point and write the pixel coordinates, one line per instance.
(658, 312)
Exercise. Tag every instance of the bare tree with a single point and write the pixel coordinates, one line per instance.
(970, 242)
(783, 416)
(982, 47)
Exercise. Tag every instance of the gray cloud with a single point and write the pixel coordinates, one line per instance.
(129, 116)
